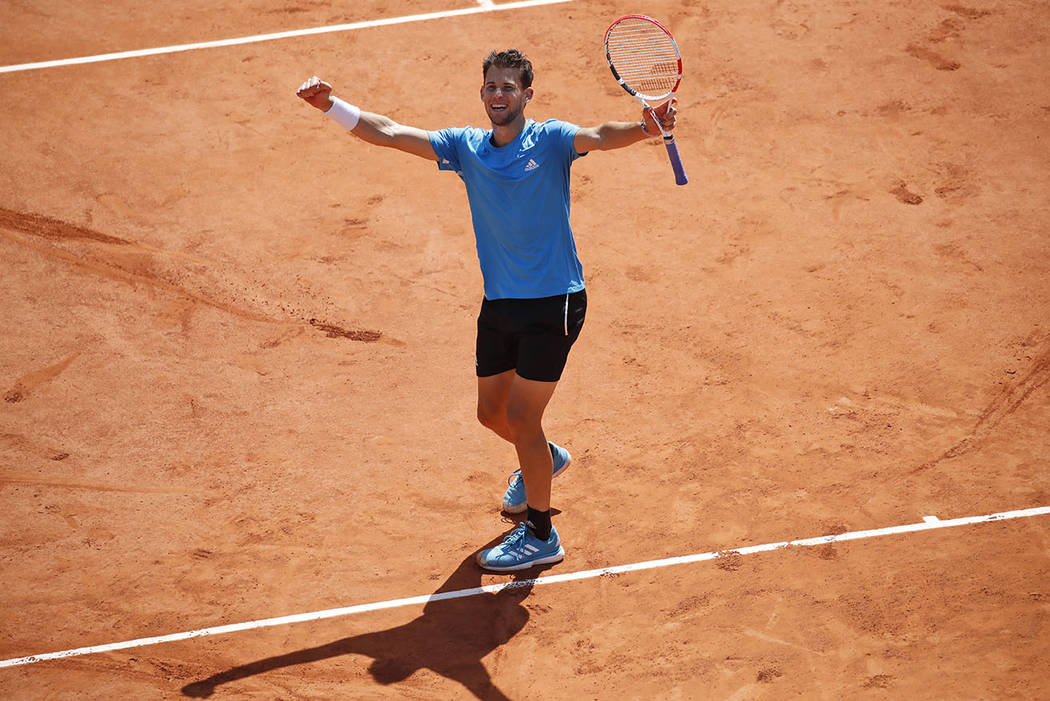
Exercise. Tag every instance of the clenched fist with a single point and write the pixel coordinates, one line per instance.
(316, 92)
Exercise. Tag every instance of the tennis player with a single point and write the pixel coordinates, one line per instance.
(517, 180)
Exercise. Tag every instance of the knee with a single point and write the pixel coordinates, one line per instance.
(521, 422)
(490, 417)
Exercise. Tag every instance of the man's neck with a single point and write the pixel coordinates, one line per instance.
(505, 133)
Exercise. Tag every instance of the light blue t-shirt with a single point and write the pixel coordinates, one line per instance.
(519, 203)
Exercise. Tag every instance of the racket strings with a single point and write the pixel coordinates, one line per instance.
(644, 57)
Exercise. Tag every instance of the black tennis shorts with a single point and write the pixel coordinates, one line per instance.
(531, 336)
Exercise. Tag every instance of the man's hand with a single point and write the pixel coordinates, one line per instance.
(316, 92)
(665, 113)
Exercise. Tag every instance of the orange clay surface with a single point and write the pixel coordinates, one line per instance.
(237, 382)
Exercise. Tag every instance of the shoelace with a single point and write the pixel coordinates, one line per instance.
(516, 536)
(510, 480)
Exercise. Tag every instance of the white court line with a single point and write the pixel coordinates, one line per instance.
(553, 579)
(483, 6)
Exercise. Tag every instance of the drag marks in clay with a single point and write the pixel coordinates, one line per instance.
(1006, 402)
(177, 273)
(25, 385)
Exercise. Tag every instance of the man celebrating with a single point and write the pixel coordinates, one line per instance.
(517, 181)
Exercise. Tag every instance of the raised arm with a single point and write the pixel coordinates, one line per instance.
(374, 128)
(613, 135)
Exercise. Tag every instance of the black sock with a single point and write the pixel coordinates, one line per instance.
(539, 522)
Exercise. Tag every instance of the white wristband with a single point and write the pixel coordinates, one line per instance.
(344, 114)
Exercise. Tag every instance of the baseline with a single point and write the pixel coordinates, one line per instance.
(365, 24)
(929, 523)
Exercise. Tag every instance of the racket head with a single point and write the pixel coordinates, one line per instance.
(644, 57)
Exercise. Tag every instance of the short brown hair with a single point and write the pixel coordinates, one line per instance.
(510, 58)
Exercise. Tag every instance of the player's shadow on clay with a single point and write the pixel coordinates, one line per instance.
(450, 638)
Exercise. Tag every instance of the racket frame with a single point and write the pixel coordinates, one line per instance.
(672, 148)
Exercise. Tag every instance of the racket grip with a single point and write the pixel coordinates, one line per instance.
(680, 178)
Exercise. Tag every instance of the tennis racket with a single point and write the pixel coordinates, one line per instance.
(645, 60)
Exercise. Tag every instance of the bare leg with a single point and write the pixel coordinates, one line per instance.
(513, 407)
(493, 396)
(528, 401)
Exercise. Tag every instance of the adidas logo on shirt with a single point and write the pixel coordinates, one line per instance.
(531, 165)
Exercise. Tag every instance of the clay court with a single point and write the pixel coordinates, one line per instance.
(236, 360)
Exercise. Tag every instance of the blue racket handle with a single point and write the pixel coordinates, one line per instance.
(680, 177)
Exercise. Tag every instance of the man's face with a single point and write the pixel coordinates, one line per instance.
(503, 96)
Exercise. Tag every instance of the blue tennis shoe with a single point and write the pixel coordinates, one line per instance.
(514, 499)
(521, 550)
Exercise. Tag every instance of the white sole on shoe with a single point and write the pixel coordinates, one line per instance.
(549, 560)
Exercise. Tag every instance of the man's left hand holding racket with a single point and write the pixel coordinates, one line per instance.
(663, 115)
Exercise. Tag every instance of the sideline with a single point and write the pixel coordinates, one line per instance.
(929, 523)
(481, 7)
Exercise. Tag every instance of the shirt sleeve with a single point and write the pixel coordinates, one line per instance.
(565, 133)
(445, 143)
